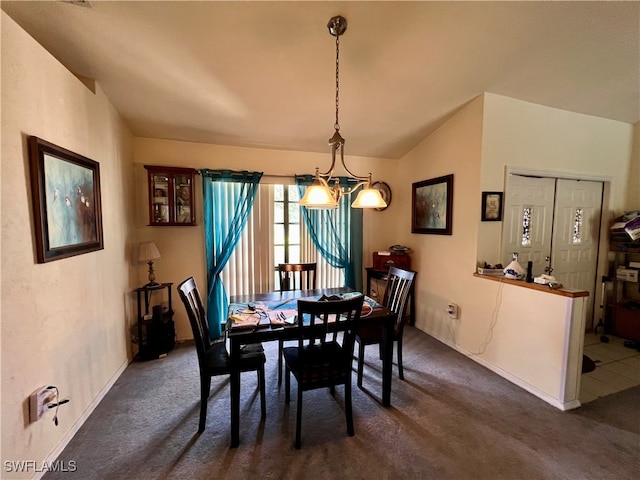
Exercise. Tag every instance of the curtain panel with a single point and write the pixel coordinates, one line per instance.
(228, 199)
(337, 233)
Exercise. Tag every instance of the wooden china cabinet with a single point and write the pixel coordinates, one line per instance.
(171, 196)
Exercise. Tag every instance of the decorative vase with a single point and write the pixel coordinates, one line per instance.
(514, 270)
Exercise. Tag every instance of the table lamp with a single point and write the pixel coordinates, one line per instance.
(148, 252)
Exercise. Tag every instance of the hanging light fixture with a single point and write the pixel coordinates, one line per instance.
(320, 194)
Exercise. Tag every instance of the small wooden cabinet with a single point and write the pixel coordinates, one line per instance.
(171, 196)
(155, 329)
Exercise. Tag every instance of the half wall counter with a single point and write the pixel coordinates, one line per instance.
(537, 338)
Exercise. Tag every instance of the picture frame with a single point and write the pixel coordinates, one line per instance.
(491, 206)
(432, 206)
(67, 208)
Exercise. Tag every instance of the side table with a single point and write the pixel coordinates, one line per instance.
(156, 335)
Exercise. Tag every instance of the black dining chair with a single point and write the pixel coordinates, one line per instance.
(213, 358)
(294, 276)
(396, 297)
(321, 358)
(297, 276)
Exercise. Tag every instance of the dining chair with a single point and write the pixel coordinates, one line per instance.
(396, 297)
(213, 358)
(297, 276)
(321, 359)
(294, 276)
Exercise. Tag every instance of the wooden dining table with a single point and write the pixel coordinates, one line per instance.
(379, 318)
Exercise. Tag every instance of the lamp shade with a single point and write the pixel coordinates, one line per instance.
(369, 198)
(148, 251)
(318, 195)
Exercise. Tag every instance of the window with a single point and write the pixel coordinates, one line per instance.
(577, 227)
(275, 233)
(527, 215)
(286, 224)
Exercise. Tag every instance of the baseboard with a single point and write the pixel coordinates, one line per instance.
(512, 378)
(83, 418)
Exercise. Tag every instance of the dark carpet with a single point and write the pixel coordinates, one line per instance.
(451, 419)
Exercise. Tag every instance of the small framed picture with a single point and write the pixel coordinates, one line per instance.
(491, 206)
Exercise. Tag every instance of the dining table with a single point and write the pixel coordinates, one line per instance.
(378, 318)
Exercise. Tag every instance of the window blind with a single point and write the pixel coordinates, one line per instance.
(250, 269)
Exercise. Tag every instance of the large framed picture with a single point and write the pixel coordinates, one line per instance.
(67, 210)
(432, 206)
(491, 206)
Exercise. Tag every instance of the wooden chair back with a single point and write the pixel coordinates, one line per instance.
(396, 295)
(297, 276)
(318, 325)
(190, 296)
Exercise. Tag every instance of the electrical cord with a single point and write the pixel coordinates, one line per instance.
(451, 332)
(57, 403)
(494, 320)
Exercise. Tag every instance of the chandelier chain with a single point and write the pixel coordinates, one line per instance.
(320, 194)
(337, 124)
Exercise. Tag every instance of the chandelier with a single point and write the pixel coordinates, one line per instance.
(321, 194)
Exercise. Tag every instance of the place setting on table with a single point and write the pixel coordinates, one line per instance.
(281, 314)
(254, 316)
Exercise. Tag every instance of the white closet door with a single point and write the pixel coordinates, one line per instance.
(574, 252)
(528, 220)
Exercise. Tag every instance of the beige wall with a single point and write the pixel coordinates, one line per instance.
(63, 321)
(476, 145)
(444, 262)
(182, 248)
(525, 135)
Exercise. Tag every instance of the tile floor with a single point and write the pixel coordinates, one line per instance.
(617, 367)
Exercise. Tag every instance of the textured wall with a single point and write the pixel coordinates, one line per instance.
(63, 322)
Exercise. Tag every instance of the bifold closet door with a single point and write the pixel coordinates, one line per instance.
(576, 235)
(528, 220)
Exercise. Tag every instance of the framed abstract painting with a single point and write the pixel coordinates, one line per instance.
(67, 210)
(432, 206)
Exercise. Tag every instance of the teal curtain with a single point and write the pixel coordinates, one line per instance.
(337, 234)
(228, 200)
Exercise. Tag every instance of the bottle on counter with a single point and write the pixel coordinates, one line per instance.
(529, 278)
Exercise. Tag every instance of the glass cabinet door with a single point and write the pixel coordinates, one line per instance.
(183, 194)
(160, 199)
(171, 200)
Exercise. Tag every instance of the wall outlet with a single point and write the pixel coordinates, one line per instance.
(452, 310)
(38, 401)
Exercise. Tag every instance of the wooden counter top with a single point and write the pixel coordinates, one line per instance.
(536, 286)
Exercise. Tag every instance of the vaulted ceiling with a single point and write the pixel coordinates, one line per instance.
(262, 74)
